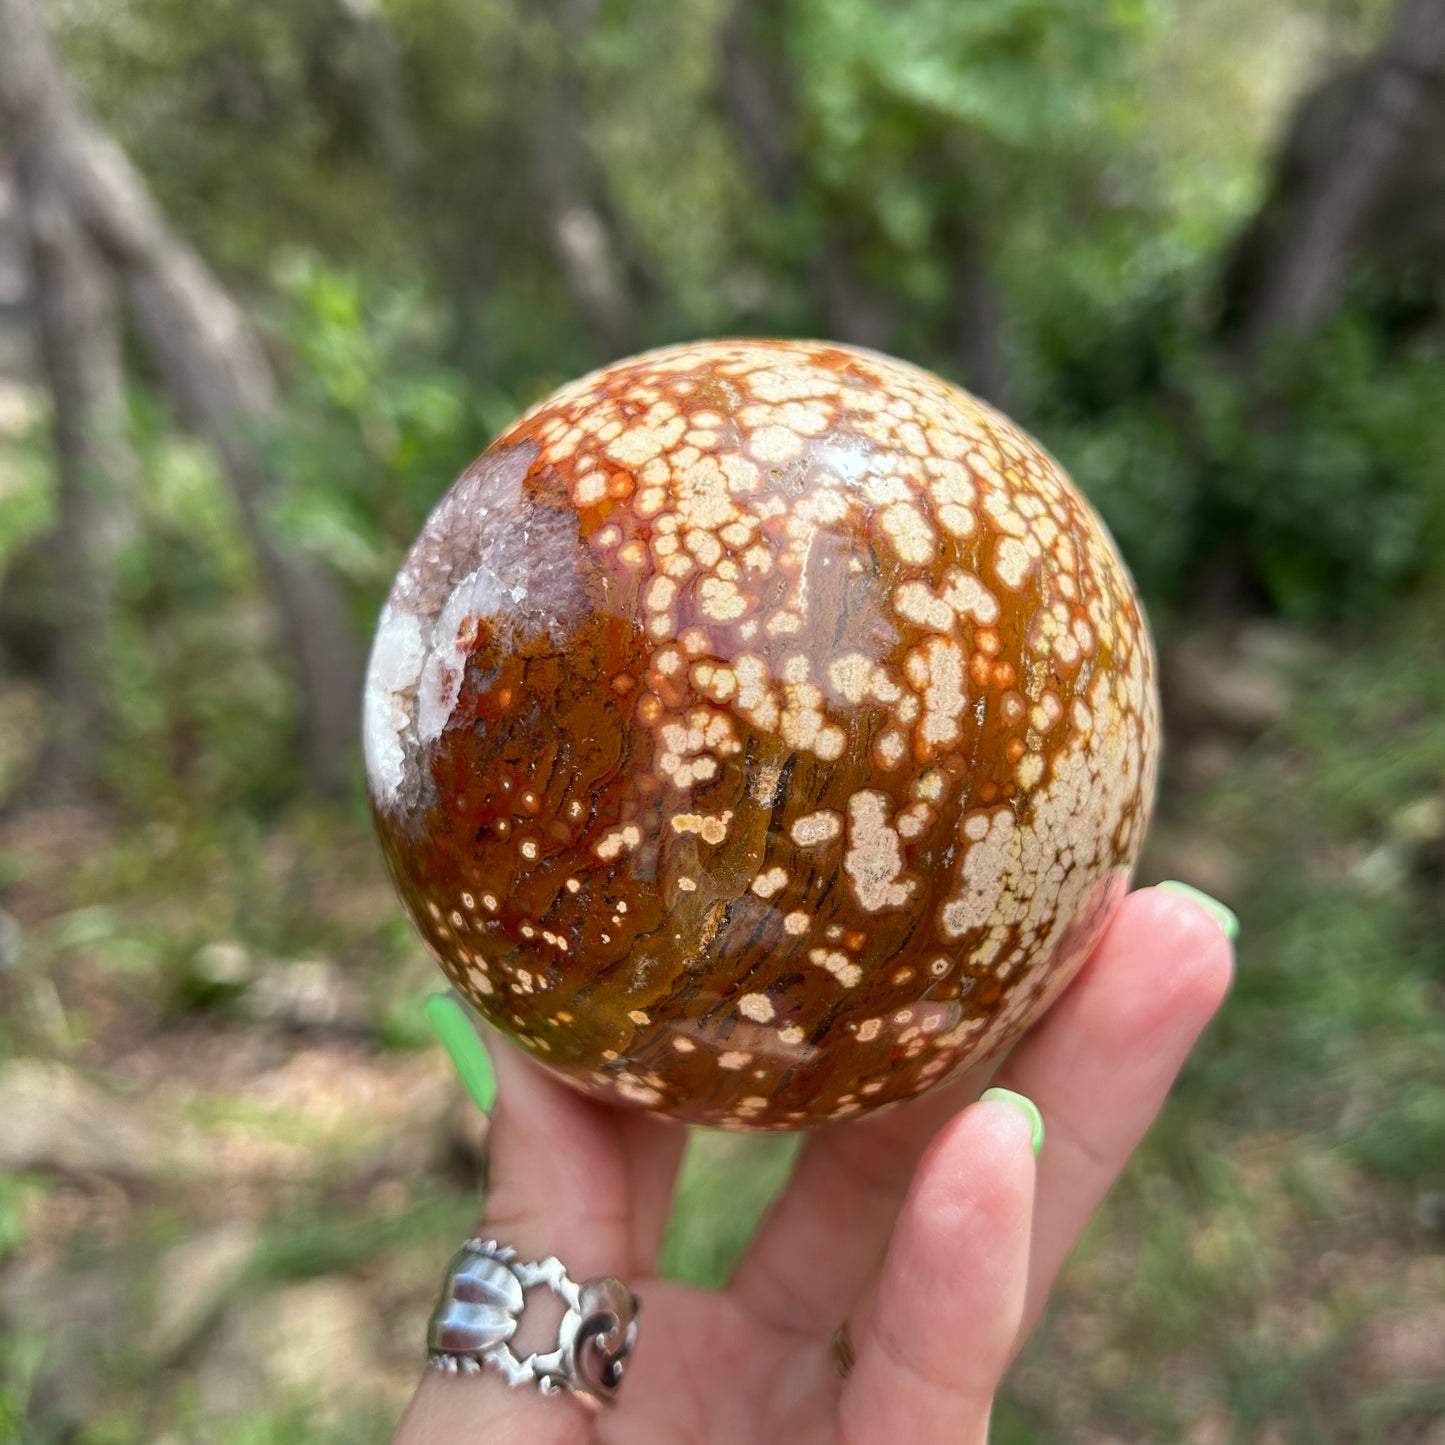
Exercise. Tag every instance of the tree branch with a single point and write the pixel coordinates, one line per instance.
(579, 234)
(1304, 270)
(750, 95)
(79, 341)
(209, 356)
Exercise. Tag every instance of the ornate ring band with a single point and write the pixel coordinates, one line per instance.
(482, 1301)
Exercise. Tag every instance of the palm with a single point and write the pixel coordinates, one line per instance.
(717, 1372)
(927, 1228)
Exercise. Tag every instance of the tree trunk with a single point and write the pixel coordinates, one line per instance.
(579, 234)
(978, 312)
(751, 95)
(748, 92)
(1295, 260)
(79, 342)
(388, 108)
(978, 332)
(210, 359)
(213, 366)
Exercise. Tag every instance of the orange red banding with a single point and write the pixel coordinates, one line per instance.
(833, 704)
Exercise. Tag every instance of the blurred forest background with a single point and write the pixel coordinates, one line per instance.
(273, 271)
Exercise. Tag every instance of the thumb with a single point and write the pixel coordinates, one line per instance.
(938, 1332)
(558, 1184)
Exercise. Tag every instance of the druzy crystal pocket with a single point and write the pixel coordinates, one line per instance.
(760, 732)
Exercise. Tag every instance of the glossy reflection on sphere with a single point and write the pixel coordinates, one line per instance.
(761, 732)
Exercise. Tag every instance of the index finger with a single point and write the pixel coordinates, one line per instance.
(1100, 1064)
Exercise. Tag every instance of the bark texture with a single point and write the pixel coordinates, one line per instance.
(978, 312)
(579, 233)
(209, 356)
(78, 330)
(753, 98)
(1337, 167)
(387, 104)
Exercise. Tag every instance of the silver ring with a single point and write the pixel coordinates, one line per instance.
(481, 1305)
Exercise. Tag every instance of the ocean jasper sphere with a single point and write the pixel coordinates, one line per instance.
(761, 732)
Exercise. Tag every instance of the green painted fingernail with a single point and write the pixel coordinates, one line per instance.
(1226, 918)
(458, 1034)
(1025, 1106)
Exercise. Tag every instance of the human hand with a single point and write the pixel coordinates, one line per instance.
(930, 1229)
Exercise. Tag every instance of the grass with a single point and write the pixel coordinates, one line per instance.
(1258, 1277)
(727, 1183)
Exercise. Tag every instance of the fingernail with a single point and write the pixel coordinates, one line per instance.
(458, 1035)
(1226, 918)
(1025, 1106)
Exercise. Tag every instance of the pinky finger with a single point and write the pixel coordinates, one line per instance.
(933, 1346)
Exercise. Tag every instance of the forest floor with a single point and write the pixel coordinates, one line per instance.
(231, 1161)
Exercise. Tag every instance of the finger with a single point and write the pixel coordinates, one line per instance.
(947, 1307)
(568, 1174)
(557, 1176)
(654, 1149)
(557, 1184)
(564, 1172)
(484, 1410)
(827, 1233)
(1101, 1062)
(825, 1237)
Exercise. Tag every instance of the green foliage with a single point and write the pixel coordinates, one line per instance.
(303, 1423)
(685, 235)
(1319, 479)
(307, 1242)
(1056, 143)
(20, 1357)
(380, 427)
(16, 1195)
(1018, 72)
(368, 178)
(27, 496)
(234, 111)
(203, 709)
(727, 1183)
(1340, 503)
(1367, 948)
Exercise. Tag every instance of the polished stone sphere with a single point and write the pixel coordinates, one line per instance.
(761, 732)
